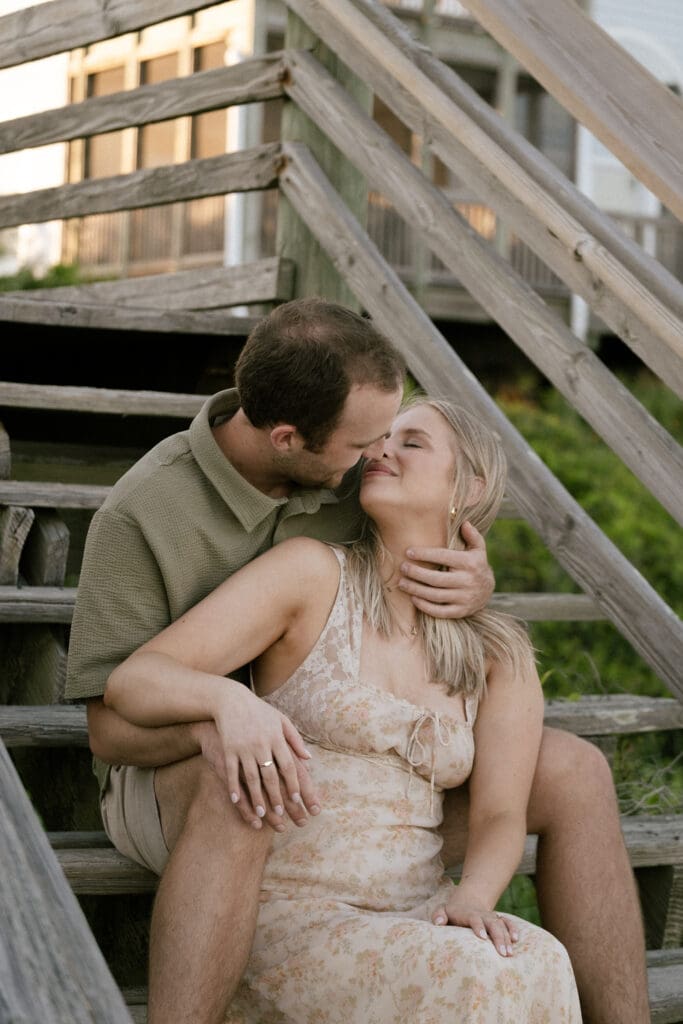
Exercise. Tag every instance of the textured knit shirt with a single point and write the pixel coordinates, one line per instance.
(176, 524)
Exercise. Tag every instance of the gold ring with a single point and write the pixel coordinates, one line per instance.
(265, 764)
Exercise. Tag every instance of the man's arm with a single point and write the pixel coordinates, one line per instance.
(116, 741)
(446, 583)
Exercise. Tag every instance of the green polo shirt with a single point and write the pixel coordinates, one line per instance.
(177, 524)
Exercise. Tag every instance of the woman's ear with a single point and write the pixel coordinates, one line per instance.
(475, 491)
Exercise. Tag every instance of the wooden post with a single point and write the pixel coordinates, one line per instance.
(315, 273)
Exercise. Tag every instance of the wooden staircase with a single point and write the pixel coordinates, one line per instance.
(76, 902)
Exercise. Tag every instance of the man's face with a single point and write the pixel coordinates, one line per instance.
(365, 422)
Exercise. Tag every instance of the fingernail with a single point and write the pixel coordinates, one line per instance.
(261, 811)
(256, 823)
(314, 809)
(307, 753)
(509, 949)
(279, 828)
(410, 552)
(515, 936)
(278, 809)
(296, 797)
(482, 934)
(234, 797)
(301, 822)
(501, 950)
(440, 920)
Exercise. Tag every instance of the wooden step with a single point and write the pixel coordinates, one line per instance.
(93, 866)
(59, 725)
(56, 605)
(664, 972)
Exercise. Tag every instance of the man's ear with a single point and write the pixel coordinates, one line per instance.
(285, 438)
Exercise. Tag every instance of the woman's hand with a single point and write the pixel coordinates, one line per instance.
(460, 582)
(262, 759)
(486, 924)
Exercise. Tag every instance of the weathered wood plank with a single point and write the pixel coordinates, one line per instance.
(529, 159)
(123, 318)
(665, 984)
(623, 423)
(15, 523)
(52, 495)
(52, 725)
(65, 725)
(59, 495)
(316, 275)
(481, 149)
(37, 604)
(252, 80)
(51, 968)
(46, 550)
(84, 399)
(602, 85)
(60, 25)
(5, 454)
(242, 171)
(55, 604)
(580, 546)
(661, 896)
(266, 280)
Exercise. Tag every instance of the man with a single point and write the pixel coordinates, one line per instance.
(317, 389)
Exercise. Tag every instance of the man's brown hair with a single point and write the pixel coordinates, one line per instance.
(300, 362)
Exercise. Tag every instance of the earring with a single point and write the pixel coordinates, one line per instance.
(452, 511)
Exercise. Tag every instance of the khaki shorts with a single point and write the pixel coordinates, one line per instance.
(130, 815)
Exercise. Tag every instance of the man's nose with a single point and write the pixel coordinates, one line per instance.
(375, 450)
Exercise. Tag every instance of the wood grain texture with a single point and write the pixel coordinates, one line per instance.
(59, 25)
(242, 171)
(602, 85)
(123, 318)
(15, 523)
(502, 170)
(51, 968)
(84, 399)
(266, 280)
(252, 80)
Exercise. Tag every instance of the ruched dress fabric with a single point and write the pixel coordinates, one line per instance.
(344, 933)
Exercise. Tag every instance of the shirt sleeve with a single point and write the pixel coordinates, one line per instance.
(121, 602)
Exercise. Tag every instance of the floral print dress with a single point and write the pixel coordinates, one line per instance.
(344, 933)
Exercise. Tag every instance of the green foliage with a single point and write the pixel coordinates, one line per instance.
(61, 274)
(592, 656)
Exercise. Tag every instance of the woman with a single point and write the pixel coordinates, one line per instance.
(358, 922)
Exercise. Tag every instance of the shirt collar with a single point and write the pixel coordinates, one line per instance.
(249, 505)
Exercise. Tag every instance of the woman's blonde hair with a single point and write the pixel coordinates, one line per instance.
(458, 650)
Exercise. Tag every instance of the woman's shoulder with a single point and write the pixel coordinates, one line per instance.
(308, 555)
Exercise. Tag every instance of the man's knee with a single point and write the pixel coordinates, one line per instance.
(193, 799)
(571, 773)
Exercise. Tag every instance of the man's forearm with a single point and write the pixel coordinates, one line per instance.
(116, 741)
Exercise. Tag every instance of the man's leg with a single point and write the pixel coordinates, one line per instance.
(586, 888)
(207, 902)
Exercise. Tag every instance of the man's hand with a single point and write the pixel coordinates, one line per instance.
(460, 583)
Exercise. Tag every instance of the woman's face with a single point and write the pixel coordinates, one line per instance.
(415, 474)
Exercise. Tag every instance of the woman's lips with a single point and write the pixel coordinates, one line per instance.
(377, 468)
